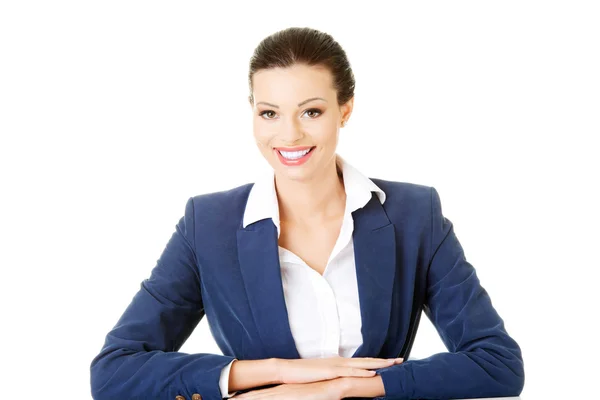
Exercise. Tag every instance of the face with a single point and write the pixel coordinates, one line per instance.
(295, 110)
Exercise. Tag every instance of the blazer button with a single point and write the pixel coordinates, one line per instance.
(179, 398)
(196, 396)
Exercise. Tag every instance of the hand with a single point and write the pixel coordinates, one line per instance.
(308, 370)
(325, 390)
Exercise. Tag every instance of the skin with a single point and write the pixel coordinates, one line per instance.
(311, 194)
(335, 389)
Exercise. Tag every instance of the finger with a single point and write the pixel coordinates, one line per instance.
(355, 372)
(369, 363)
(380, 359)
(390, 360)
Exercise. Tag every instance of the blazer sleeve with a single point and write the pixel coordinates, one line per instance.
(140, 358)
(483, 360)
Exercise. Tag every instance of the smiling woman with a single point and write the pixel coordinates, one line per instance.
(313, 279)
(290, 119)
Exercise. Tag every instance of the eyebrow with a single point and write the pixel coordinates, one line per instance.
(299, 104)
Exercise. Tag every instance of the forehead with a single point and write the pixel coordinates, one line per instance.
(292, 84)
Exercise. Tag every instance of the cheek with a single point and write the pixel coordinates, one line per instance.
(322, 133)
(323, 127)
(262, 137)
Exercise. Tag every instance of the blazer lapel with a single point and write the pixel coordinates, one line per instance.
(258, 254)
(375, 257)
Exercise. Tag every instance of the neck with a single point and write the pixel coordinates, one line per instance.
(312, 202)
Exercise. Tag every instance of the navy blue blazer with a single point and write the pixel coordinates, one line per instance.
(408, 260)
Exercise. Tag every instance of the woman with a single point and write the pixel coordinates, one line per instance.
(314, 278)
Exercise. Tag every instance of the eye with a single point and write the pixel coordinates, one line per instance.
(313, 112)
(269, 112)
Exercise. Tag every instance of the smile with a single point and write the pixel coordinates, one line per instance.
(294, 158)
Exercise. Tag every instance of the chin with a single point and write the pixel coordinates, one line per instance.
(295, 174)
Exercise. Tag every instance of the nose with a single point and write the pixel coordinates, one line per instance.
(291, 131)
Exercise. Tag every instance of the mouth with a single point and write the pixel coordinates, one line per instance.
(296, 157)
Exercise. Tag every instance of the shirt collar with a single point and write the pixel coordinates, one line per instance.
(262, 200)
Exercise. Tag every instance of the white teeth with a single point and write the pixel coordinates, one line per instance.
(293, 155)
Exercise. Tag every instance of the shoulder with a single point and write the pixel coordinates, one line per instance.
(414, 206)
(407, 201)
(413, 202)
(221, 203)
(406, 193)
(229, 195)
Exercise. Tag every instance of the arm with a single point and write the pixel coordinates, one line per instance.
(224, 381)
(140, 357)
(360, 387)
(248, 374)
(484, 361)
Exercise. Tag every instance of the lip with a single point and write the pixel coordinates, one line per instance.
(301, 148)
(294, 163)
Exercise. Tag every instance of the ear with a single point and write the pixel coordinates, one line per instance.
(346, 109)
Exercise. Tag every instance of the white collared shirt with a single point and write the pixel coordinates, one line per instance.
(335, 329)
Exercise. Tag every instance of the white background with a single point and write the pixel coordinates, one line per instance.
(114, 113)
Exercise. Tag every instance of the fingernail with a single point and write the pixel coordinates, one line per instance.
(399, 359)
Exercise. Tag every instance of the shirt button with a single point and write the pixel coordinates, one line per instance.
(196, 396)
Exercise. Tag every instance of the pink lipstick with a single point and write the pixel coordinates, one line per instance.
(294, 156)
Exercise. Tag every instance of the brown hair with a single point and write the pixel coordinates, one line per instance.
(304, 46)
